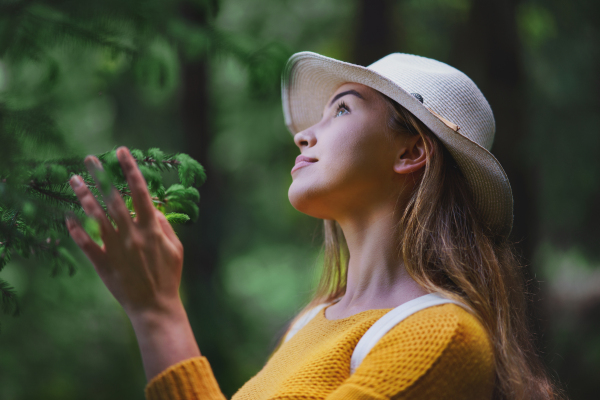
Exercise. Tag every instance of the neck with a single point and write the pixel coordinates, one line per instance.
(376, 275)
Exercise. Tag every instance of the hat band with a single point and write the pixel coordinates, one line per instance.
(449, 124)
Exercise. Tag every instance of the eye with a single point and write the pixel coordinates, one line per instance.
(342, 110)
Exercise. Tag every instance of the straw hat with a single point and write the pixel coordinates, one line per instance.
(442, 97)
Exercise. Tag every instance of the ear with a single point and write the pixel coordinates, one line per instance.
(412, 154)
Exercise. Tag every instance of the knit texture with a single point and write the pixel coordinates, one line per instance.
(441, 352)
(189, 379)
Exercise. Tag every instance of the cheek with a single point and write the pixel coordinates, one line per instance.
(360, 156)
(349, 167)
(342, 158)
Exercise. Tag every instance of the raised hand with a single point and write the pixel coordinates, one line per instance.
(140, 263)
(142, 258)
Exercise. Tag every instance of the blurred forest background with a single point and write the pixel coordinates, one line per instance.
(203, 77)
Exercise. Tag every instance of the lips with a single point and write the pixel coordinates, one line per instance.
(303, 161)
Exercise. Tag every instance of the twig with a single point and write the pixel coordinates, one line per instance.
(48, 193)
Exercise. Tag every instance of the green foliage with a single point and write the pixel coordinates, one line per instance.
(190, 170)
(35, 195)
(183, 198)
(72, 75)
(177, 218)
(139, 37)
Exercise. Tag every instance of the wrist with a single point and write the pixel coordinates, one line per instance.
(168, 314)
(164, 336)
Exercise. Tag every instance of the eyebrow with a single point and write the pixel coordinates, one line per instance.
(352, 92)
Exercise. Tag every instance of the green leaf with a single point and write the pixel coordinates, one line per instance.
(182, 199)
(112, 166)
(129, 203)
(153, 177)
(190, 171)
(177, 218)
(160, 192)
(103, 179)
(92, 227)
(137, 154)
(156, 154)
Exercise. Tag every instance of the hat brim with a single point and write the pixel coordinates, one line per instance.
(310, 79)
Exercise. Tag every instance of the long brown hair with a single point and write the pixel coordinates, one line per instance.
(447, 249)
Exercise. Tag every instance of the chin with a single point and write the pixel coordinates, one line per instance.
(307, 200)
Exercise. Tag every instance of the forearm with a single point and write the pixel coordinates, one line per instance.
(140, 263)
(164, 338)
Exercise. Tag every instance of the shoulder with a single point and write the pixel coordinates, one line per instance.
(443, 347)
(435, 329)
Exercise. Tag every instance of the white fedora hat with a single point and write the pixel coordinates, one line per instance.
(452, 106)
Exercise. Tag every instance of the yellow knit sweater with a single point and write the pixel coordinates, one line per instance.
(441, 352)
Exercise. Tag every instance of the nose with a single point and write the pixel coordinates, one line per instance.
(306, 138)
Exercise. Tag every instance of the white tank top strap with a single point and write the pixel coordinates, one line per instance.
(305, 319)
(390, 320)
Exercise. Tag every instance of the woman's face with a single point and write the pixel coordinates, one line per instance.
(352, 157)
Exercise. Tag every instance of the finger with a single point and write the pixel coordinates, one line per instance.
(114, 203)
(167, 228)
(91, 206)
(94, 252)
(142, 201)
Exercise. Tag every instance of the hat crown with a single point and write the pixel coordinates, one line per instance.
(445, 90)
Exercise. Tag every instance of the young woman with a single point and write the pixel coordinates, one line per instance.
(421, 296)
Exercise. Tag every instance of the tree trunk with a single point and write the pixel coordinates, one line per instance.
(207, 313)
(374, 39)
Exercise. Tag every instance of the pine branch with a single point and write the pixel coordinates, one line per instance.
(35, 194)
(52, 195)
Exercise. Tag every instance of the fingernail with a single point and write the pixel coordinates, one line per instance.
(76, 181)
(92, 164)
